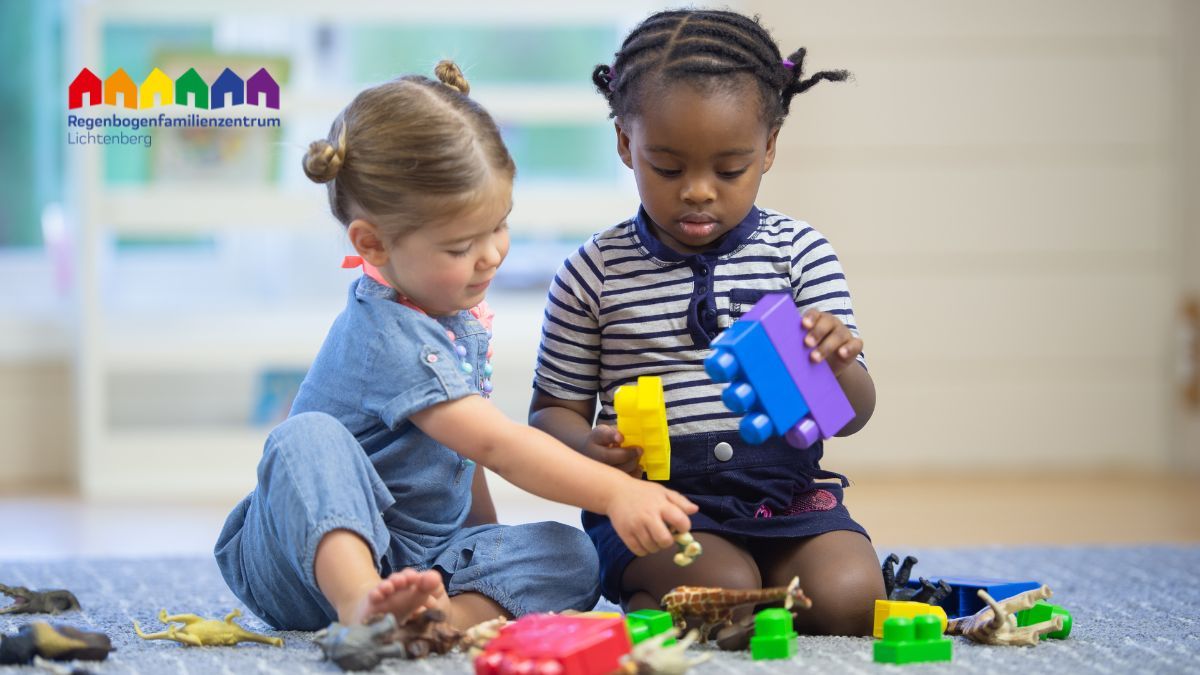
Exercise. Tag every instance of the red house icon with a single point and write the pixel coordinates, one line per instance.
(86, 82)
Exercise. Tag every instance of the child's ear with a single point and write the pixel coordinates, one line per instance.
(623, 144)
(770, 158)
(368, 241)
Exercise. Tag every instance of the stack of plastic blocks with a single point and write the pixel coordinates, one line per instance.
(646, 623)
(886, 609)
(642, 420)
(552, 643)
(774, 637)
(916, 640)
(773, 381)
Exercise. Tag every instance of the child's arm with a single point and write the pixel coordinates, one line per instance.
(831, 341)
(483, 510)
(640, 511)
(571, 422)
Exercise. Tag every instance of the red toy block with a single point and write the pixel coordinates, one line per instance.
(827, 403)
(550, 644)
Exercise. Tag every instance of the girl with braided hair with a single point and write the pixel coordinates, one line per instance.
(698, 98)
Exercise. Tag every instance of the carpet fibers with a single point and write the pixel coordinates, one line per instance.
(1135, 610)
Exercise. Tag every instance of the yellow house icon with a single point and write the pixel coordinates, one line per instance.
(156, 82)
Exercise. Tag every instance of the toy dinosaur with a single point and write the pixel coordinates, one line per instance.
(26, 601)
(895, 582)
(363, 647)
(996, 624)
(714, 606)
(689, 549)
(198, 631)
(56, 642)
(476, 637)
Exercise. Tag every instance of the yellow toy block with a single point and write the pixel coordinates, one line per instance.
(642, 420)
(885, 609)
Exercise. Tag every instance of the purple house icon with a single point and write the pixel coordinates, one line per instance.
(86, 82)
(227, 82)
(262, 84)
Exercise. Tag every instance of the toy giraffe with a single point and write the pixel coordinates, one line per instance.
(198, 631)
(715, 606)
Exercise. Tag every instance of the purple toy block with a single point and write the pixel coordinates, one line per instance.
(758, 380)
(828, 405)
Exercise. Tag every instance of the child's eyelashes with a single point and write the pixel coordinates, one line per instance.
(675, 173)
(666, 173)
(732, 174)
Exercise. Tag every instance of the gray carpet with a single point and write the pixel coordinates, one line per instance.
(1136, 610)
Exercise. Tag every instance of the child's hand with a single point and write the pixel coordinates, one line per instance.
(832, 340)
(645, 514)
(604, 446)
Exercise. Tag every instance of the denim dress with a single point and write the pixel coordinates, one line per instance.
(349, 458)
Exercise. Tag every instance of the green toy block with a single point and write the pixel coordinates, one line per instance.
(774, 637)
(916, 640)
(1044, 611)
(646, 623)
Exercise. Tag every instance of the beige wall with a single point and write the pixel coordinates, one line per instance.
(36, 426)
(1001, 186)
(1187, 42)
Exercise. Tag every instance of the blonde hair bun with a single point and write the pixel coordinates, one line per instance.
(449, 74)
(322, 161)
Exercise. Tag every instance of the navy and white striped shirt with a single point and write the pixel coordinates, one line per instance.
(626, 305)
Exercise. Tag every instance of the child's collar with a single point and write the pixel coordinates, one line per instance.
(730, 241)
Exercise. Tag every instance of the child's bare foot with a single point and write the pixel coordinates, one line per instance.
(401, 594)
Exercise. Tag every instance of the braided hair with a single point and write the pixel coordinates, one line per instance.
(705, 47)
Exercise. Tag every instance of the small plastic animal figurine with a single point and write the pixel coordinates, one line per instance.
(652, 657)
(366, 646)
(714, 606)
(689, 549)
(996, 624)
(26, 601)
(198, 631)
(895, 582)
(56, 642)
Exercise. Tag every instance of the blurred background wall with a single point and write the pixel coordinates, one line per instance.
(1012, 188)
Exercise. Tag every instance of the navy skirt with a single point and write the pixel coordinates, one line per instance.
(768, 491)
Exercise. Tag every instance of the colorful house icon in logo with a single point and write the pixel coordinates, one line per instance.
(120, 83)
(156, 83)
(191, 83)
(228, 82)
(262, 84)
(86, 82)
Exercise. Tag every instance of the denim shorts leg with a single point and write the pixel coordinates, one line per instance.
(313, 478)
(536, 567)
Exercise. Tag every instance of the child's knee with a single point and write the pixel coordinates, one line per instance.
(576, 565)
(845, 603)
(309, 441)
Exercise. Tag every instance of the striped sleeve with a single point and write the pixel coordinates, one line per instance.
(568, 361)
(818, 281)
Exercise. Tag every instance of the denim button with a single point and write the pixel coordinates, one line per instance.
(701, 289)
(703, 271)
(710, 314)
(723, 451)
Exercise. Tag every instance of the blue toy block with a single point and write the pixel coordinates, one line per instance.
(758, 381)
(965, 601)
(830, 409)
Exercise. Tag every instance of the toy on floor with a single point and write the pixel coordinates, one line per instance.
(475, 638)
(26, 601)
(895, 582)
(644, 624)
(654, 656)
(552, 643)
(689, 549)
(773, 380)
(964, 593)
(198, 631)
(885, 609)
(642, 420)
(996, 624)
(774, 636)
(1044, 611)
(363, 647)
(915, 640)
(714, 606)
(56, 642)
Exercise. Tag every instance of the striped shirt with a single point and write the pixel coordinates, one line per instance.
(626, 305)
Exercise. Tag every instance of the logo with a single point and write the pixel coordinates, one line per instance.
(159, 90)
